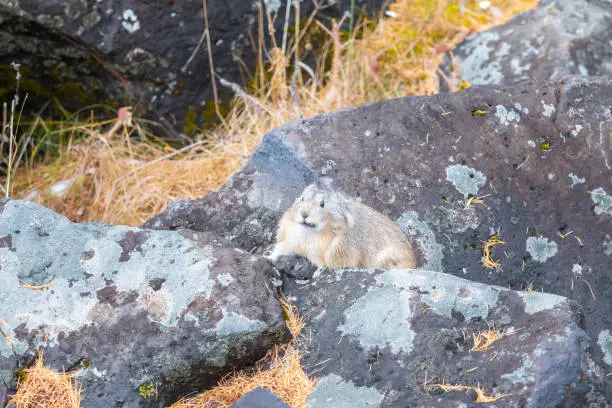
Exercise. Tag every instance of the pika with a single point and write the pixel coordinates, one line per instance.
(335, 231)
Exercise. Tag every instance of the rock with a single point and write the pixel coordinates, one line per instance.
(377, 338)
(557, 38)
(259, 398)
(416, 160)
(153, 55)
(295, 266)
(150, 315)
(3, 395)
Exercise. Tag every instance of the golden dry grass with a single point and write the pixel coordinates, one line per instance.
(37, 287)
(481, 395)
(121, 179)
(485, 338)
(280, 372)
(487, 252)
(42, 387)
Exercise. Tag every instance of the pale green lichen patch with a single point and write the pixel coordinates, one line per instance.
(332, 391)
(81, 259)
(225, 279)
(419, 231)
(445, 294)
(390, 308)
(541, 248)
(549, 110)
(608, 248)
(603, 201)
(234, 323)
(604, 340)
(536, 302)
(518, 107)
(465, 179)
(523, 374)
(477, 65)
(576, 130)
(575, 180)
(506, 116)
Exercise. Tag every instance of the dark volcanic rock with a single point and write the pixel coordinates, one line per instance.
(559, 37)
(541, 152)
(381, 335)
(149, 54)
(259, 398)
(169, 311)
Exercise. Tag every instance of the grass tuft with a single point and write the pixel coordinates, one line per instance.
(481, 395)
(484, 339)
(280, 372)
(487, 257)
(41, 387)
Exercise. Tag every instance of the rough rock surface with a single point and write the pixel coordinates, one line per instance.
(557, 38)
(259, 398)
(169, 311)
(541, 153)
(153, 54)
(377, 338)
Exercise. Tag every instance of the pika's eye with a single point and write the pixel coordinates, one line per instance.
(322, 204)
(302, 198)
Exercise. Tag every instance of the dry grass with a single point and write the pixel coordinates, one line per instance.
(3, 326)
(481, 395)
(475, 200)
(37, 287)
(487, 257)
(45, 388)
(283, 375)
(484, 339)
(120, 176)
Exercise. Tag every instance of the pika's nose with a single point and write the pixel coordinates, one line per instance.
(304, 215)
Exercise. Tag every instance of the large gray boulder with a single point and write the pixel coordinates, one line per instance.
(150, 315)
(378, 339)
(149, 54)
(540, 151)
(557, 38)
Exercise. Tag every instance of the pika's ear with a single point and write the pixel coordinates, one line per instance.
(310, 188)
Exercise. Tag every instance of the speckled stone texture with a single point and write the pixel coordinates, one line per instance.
(260, 398)
(376, 337)
(557, 38)
(541, 153)
(151, 54)
(168, 310)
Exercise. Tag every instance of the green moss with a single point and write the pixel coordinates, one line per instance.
(74, 90)
(191, 121)
(209, 113)
(146, 390)
(178, 374)
(21, 375)
(27, 84)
